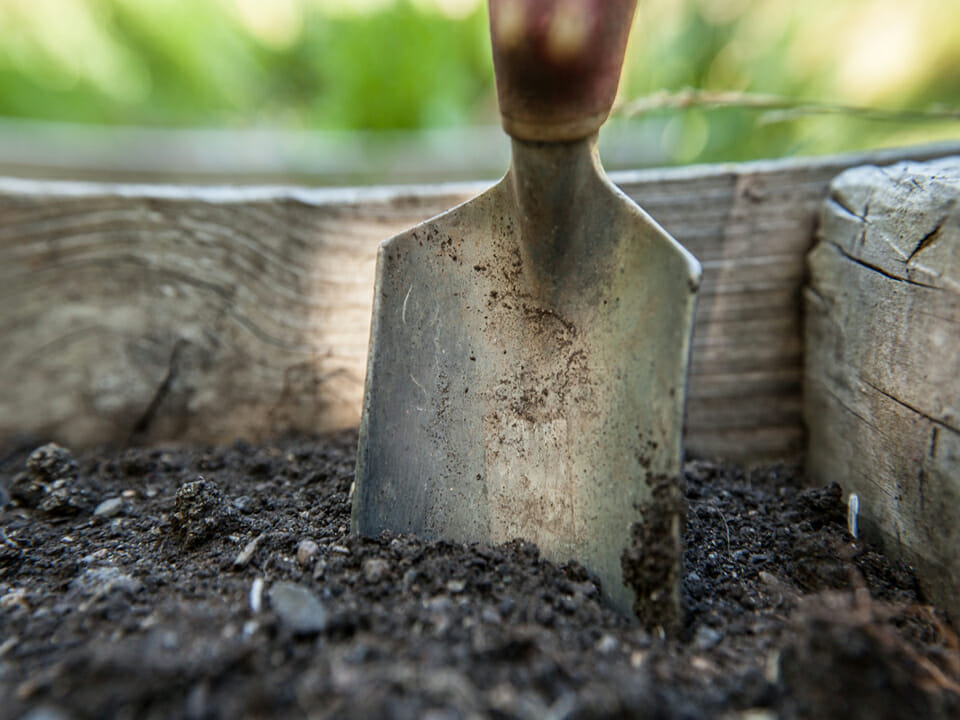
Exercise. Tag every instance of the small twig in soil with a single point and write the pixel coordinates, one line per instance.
(727, 528)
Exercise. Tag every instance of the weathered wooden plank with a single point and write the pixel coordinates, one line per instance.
(751, 226)
(883, 360)
(159, 313)
(165, 313)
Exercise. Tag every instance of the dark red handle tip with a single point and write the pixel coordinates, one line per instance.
(557, 64)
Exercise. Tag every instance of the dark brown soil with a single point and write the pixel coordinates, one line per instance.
(190, 593)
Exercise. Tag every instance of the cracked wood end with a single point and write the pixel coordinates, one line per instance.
(882, 377)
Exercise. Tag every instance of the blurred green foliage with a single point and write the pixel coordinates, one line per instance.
(409, 64)
(858, 53)
(195, 62)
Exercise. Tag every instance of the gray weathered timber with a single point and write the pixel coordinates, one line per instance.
(203, 314)
(882, 377)
(159, 313)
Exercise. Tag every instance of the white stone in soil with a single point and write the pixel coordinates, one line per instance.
(298, 608)
(109, 507)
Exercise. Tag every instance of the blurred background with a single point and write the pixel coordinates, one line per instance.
(382, 91)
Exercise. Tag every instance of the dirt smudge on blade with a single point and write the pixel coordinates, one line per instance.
(651, 564)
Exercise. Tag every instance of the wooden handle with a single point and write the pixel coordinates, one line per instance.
(557, 64)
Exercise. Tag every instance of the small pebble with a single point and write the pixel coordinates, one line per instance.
(319, 569)
(45, 713)
(456, 586)
(169, 640)
(544, 615)
(200, 512)
(256, 595)
(244, 503)
(374, 569)
(95, 556)
(49, 483)
(103, 581)
(62, 498)
(768, 579)
(306, 552)
(439, 604)
(51, 462)
(758, 714)
(109, 507)
(853, 511)
(771, 670)
(707, 638)
(607, 644)
(702, 664)
(694, 585)
(410, 579)
(13, 599)
(491, 616)
(246, 555)
(298, 608)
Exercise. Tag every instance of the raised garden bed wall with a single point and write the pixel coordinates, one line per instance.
(883, 361)
(149, 314)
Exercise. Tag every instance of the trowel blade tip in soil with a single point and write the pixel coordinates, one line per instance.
(518, 388)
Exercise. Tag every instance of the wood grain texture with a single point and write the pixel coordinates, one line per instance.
(153, 313)
(883, 365)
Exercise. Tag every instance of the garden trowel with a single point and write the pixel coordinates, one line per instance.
(529, 348)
